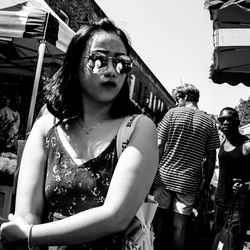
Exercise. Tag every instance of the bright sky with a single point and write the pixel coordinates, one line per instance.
(174, 39)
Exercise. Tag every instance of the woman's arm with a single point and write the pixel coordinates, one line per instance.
(29, 197)
(130, 184)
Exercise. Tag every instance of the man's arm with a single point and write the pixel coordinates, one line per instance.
(209, 167)
(161, 146)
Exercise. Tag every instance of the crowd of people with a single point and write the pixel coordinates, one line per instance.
(75, 192)
(188, 139)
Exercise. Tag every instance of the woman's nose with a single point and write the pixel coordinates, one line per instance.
(111, 70)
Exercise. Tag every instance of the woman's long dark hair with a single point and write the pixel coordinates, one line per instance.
(63, 92)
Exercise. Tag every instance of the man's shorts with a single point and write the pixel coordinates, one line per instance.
(182, 203)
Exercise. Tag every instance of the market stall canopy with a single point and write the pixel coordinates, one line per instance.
(231, 25)
(32, 38)
(23, 24)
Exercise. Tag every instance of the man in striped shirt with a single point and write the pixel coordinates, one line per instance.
(186, 136)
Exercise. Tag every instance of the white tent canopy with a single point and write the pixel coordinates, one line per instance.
(31, 36)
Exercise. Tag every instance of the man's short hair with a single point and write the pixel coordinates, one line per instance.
(234, 112)
(191, 92)
(178, 92)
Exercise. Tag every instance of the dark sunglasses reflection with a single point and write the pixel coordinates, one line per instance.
(98, 62)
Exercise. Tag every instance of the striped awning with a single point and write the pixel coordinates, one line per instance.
(32, 39)
(231, 58)
(220, 4)
(23, 24)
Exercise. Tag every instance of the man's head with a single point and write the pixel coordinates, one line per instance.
(179, 96)
(191, 92)
(229, 120)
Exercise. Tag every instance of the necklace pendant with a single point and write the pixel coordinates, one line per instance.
(87, 131)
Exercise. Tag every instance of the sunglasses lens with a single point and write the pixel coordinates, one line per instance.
(221, 119)
(123, 64)
(228, 119)
(96, 62)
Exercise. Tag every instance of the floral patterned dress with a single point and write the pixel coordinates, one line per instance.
(70, 188)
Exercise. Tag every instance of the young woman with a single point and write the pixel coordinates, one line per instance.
(72, 187)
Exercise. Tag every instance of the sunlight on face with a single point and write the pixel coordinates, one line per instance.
(100, 82)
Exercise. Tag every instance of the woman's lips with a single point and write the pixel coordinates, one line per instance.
(109, 84)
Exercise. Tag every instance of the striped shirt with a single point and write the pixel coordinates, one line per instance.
(188, 134)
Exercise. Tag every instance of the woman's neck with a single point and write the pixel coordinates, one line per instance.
(94, 113)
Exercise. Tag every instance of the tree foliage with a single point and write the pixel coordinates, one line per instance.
(244, 111)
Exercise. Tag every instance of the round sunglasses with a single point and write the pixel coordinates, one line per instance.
(98, 62)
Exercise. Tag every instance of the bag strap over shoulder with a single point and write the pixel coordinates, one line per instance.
(125, 131)
(146, 212)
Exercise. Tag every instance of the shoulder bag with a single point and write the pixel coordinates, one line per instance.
(139, 234)
(223, 239)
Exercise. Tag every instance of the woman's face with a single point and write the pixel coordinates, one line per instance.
(99, 76)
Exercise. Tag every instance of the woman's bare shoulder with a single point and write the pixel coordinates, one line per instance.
(145, 122)
(145, 129)
(44, 123)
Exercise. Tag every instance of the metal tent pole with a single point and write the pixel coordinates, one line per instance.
(41, 52)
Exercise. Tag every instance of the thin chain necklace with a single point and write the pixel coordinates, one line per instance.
(87, 131)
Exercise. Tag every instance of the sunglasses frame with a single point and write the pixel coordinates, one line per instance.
(95, 56)
(230, 119)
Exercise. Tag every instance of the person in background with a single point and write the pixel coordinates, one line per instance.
(18, 102)
(234, 170)
(186, 136)
(21, 109)
(72, 189)
(179, 96)
(9, 113)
